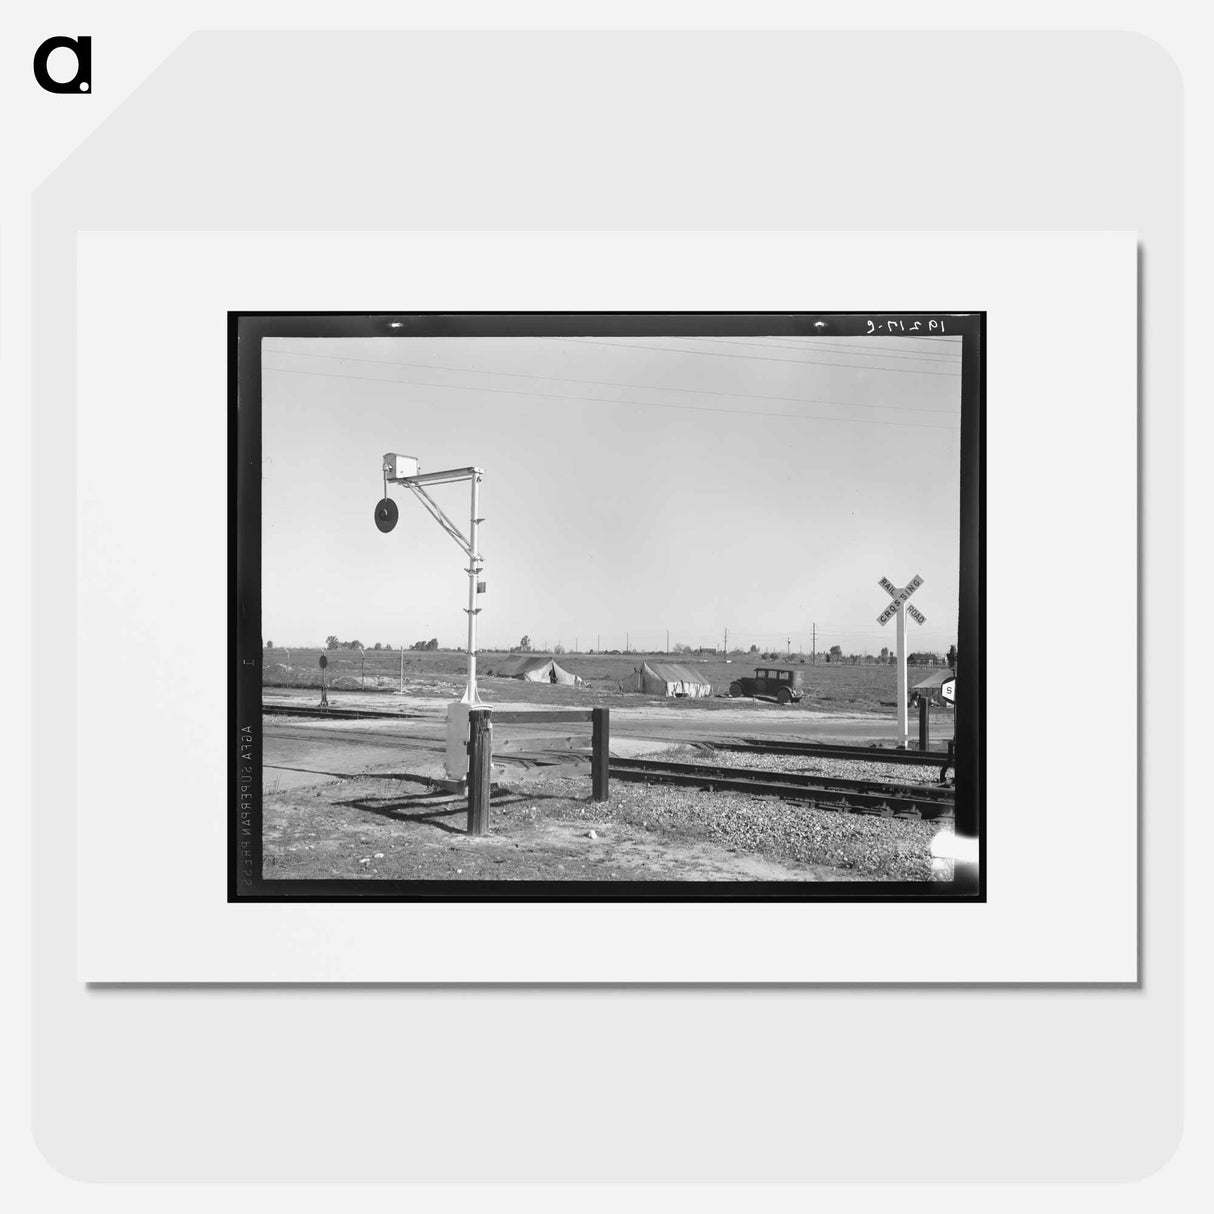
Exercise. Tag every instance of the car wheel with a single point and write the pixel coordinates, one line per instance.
(735, 690)
(784, 696)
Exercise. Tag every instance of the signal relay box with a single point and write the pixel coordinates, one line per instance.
(399, 467)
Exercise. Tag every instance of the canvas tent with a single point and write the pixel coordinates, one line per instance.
(533, 669)
(666, 679)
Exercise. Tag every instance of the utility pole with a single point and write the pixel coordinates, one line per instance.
(814, 656)
(726, 645)
(667, 640)
(627, 642)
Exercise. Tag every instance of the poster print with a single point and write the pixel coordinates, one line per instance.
(604, 606)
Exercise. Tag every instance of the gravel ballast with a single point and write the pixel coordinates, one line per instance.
(866, 847)
(848, 769)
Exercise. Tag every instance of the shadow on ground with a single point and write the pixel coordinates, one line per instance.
(430, 807)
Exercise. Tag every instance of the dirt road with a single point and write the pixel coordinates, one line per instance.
(360, 798)
(299, 752)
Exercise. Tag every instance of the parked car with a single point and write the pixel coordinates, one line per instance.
(783, 682)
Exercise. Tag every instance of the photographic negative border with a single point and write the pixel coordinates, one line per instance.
(245, 333)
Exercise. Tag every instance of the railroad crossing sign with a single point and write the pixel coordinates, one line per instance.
(900, 596)
(901, 608)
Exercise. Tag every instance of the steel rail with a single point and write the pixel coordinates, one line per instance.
(872, 754)
(894, 801)
(926, 792)
(336, 714)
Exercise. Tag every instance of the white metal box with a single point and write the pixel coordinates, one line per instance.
(397, 467)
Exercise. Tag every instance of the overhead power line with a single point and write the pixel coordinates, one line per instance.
(940, 345)
(620, 345)
(814, 345)
(602, 383)
(598, 400)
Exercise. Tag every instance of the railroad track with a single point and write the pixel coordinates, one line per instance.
(887, 799)
(871, 754)
(335, 714)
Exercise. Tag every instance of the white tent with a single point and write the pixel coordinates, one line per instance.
(666, 679)
(533, 669)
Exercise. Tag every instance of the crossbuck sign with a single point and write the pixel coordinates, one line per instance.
(900, 597)
(901, 608)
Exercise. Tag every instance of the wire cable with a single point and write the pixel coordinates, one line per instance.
(598, 400)
(802, 362)
(601, 383)
(812, 345)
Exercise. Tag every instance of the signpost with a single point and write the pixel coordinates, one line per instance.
(324, 695)
(899, 608)
(948, 690)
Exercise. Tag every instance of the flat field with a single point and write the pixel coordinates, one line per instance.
(830, 686)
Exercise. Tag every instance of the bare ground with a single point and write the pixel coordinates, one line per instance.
(545, 827)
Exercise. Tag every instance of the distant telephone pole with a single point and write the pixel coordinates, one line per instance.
(814, 658)
(667, 640)
(726, 642)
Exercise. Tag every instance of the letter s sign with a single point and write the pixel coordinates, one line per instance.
(82, 81)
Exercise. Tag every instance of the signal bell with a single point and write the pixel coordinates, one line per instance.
(386, 514)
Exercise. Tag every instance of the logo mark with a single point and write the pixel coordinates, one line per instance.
(82, 48)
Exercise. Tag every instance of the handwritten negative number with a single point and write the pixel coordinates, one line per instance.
(898, 326)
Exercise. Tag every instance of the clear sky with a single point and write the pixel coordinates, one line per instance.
(632, 486)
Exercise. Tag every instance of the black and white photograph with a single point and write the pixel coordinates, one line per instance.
(567, 562)
(607, 606)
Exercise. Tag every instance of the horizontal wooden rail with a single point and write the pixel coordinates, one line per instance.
(543, 716)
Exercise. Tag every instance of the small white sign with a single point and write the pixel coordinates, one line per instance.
(948, 690)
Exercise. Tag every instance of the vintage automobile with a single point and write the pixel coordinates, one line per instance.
(785, 683)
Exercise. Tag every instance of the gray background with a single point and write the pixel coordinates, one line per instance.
(619, 131)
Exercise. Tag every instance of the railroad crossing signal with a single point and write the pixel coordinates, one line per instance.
(900, 596)
(406, 470)
(901, 608)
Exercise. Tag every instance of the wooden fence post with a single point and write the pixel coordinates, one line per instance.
(480, 756)
(600, 744)
(924, 718)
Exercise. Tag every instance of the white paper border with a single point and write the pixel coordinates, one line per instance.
(1061, 491)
